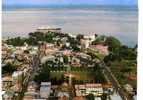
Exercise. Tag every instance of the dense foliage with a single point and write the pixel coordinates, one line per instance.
(8, 68)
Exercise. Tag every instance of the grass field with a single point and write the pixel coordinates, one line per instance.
(77, 75)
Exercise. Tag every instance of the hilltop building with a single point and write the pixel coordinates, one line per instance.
(49, 29)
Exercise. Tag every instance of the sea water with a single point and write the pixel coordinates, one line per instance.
(118, 21)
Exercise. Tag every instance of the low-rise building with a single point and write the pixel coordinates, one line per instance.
(6, 82)
(100, 49)
(128, 88)
(17, 77)
(31, 96)
(108, 88)
(95, 89)
(85, 43)
(80, 90)
(31, 93)
(49, 29)
(83, 90)
(8, 95)
(45, 89)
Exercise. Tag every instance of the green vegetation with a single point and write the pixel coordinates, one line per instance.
(81, 74)
(104, 96)
(90, 97)
(99, 77)
(66, 60)
(43, 75)
(18, 41)
(99, 39)
(113, 43)
(123, 70)
(122, 62)
(122, 59)
(79, 37)
(33, 39)
(8, 68)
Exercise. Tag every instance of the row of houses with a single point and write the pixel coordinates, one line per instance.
(93, 88)
(12, 84)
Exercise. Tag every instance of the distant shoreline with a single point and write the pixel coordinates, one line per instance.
(4, 7)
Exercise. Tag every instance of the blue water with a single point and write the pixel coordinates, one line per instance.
(118, 21)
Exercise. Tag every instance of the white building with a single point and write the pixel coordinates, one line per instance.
(128, 88)
(80, 90)
(49, 29)
(83, 90)
(8, 95)
(47, 58)
(17, 77)
(45, 89)
(95, 89)
(85, 43)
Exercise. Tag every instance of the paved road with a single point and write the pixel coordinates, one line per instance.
(114, 81)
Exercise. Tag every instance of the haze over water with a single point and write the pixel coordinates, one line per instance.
(118, 21)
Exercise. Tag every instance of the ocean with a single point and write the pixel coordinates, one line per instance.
(118, 21)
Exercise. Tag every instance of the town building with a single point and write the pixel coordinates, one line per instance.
(6, 82)
(84, 43)
(49, 29)
(17, 77)
(85, 89)
(100, 48)
(45, 89)
(128, 88)
(32, 93)
(8, 95)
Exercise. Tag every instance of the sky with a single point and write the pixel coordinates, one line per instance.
(67, 2)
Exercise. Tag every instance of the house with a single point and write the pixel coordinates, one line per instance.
(108, 88)
(8, 95)
(100, 49)
(128, 88)
(85, 89)
(32, 86)
(31, 96)
(84, 43)
(79, 98)
(95, 89)
(31, 93)
(63, 95)
(6, 82)
(17, 87)
(45, 89)
(17, 77)
(47, 58)
(80, 90)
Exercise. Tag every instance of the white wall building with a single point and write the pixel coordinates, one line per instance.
(45, 89)
(95, 89)
(49, 29)
(17, 77)
(83, 90)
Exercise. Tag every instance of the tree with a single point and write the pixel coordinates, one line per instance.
(26, 51)
(113, 43)
(8, 68)
(90, 97)
(43, 76)
(99, 39)
(79, 37)
(18, 41)
(65, 59)
(104, 96)
(75, 48)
